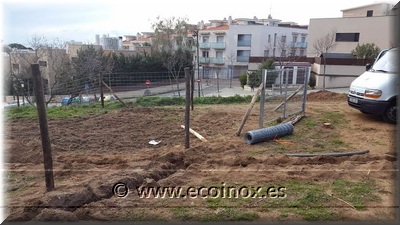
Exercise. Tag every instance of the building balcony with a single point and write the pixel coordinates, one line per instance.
(204, 60)
(299, 45)
(218, 45)
(217, 60)
(205, 45)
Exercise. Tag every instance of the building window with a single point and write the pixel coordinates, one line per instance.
(205, 39)
(243, 55)
(294, 38)
(347, 37)
(269, 38)
(266, 53)
(219, 54)
(283, 53)
(220, 39)
(293, 53)
(204, 54)
(370, 13)
(244, 40)
(303, 39)
(43, 63)
(283, 39)
(301, 52)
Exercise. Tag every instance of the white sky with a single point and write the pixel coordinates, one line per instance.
(81, 20)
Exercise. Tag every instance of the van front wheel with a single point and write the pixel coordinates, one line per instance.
(390, 113)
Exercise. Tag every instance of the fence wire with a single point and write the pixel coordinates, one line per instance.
(129, 86)
(284, 94)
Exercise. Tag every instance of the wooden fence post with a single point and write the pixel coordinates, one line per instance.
(187, 108)
(44, 131)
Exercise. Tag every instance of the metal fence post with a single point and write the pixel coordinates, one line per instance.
(307, 74)
(286, 90)
(262, 99)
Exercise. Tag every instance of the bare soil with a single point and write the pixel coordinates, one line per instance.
(92, 154)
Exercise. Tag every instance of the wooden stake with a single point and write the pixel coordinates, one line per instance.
(195, 134)
(123, 103)
(253, 101)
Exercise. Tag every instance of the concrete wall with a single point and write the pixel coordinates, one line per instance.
(336, 75)
(377, 30)
(378, 10)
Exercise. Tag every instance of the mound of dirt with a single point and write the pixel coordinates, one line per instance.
(326, 96)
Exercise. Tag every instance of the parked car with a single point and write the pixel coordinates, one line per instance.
(108, 98)
(75, 100)
(375, 91)
(15, 103)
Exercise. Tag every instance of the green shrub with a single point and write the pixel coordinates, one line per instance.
(313, 81)
(243, 79)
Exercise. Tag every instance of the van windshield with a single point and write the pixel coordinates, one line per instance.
(388, 63)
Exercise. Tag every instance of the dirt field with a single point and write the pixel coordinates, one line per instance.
(91, 155)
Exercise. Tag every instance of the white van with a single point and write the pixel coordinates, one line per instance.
(376, 90)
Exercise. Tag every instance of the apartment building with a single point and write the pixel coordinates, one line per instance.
(225, 46)
(49, 60)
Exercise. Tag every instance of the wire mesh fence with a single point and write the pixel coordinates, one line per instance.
(284, 94)
(129, 86)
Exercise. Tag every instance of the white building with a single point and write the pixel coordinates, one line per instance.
(228, 43)
(110, 43)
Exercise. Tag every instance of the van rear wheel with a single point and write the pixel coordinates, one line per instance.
(390, 113)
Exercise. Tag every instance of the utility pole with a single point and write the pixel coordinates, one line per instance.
(196, 33)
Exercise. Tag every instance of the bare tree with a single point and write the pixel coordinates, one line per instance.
(231, 57)
(170, 41)
(283, 53)
(324, 45)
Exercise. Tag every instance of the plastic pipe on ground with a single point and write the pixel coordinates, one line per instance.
(331, 154)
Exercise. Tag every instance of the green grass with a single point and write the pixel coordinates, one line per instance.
(356, 193)
(311, 201)
(148, 101)
(30, 112)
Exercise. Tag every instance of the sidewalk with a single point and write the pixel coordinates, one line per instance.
(227, 92)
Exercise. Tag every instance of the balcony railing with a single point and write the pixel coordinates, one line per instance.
(299, 45)
(217, 60)
(218, 45)
(205, 45)
(204, 60)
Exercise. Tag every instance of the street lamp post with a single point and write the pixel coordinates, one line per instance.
(196, 34)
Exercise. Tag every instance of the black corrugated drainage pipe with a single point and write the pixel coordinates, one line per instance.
(329, 154)
(268, 133)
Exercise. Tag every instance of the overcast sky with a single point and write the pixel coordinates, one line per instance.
(81, 20)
